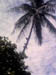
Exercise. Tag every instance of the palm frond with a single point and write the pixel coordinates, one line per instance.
(36, 3)
(32, 3)
(23, 29)
(23, 7)
(50, 6)
(41, 19)
(38, 29)
(51, 2)
(23, 20)
(48, 14)
(16, 9)
(50, 25)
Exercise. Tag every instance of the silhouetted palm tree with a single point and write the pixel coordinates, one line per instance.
(36, 11)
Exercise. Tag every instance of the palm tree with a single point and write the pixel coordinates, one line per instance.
(36, 11)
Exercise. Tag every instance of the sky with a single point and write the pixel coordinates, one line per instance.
(41, 59)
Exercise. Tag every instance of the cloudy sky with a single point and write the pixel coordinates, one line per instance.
(41, 59)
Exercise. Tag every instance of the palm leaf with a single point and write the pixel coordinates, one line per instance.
(33, 3)
(48, 14)
(26, 7)
(50, 25)
(41, 19)
(51, 2)
(23, 7)
(36, 3)
(23, 29)
(15, 9)
(50, 6)
(38, 29)
(23, 20)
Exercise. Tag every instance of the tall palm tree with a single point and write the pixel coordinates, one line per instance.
(36, 11)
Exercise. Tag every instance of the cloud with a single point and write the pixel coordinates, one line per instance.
(41, 59)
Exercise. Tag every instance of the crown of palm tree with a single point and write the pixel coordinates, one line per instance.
(37, 11)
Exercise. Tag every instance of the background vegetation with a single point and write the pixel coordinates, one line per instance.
(11, 63)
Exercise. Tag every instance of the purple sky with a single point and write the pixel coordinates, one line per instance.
(41, 59)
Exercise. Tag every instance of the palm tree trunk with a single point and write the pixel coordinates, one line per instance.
(25, 47)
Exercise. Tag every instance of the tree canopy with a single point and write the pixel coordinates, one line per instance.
(11, 62)
(36, 12)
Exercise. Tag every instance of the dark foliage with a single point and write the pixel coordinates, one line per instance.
(11, 63)
(37, 10)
